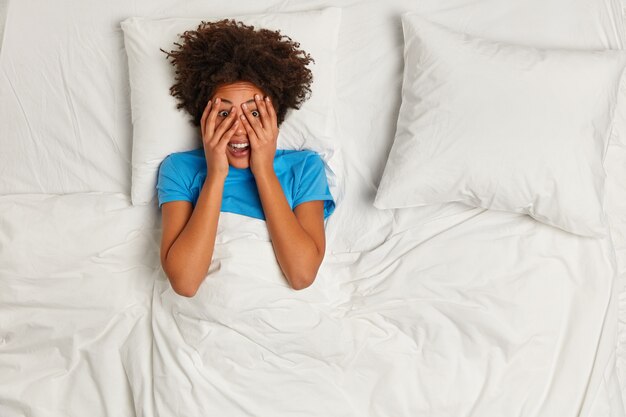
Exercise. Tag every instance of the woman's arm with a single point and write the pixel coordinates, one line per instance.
(188, 238)
(297, 236)
(189, 234)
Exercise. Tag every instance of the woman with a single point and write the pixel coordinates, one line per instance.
(238, 83)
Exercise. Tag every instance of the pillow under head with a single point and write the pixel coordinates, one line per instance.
(159, 128)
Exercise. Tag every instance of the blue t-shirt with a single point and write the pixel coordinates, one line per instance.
(300, 173)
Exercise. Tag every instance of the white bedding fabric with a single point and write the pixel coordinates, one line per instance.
(502, 127)
(439, 311)
(440, 321)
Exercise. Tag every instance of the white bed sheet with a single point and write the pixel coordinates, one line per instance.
(441, 320)
(406, 317)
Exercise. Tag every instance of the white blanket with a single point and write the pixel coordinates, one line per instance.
(440, 320)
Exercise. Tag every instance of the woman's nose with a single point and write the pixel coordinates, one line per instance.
(240, 131)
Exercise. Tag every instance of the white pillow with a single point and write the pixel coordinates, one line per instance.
(160, 129)
(502, 127)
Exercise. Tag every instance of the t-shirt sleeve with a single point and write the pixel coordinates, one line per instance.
(170, 184)
(313, 184)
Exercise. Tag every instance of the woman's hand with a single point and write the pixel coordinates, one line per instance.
(215, 139)
(262, 133)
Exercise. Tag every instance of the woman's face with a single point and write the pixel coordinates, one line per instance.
(236, 94)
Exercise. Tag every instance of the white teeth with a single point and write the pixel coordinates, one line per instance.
(239, 145)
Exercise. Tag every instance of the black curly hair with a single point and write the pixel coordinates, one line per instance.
(227, 51)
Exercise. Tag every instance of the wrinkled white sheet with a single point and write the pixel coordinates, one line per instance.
(422, 324)
(438, 311)
(481, 313)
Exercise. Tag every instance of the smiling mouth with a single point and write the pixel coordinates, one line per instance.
(239, 149)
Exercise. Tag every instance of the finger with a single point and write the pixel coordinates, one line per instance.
(253, 121)
(260, 105)
(252, 136)
(229, 134)
(271, 111)
(205, 113)
(224, 126)
(210, 121)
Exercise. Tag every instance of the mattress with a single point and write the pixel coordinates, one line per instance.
(442, 310)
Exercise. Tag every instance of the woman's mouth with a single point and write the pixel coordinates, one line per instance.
(239, 149)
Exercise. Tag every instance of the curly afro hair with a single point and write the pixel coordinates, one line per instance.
(227, 51)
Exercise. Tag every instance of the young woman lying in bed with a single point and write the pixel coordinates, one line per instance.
(238, 83)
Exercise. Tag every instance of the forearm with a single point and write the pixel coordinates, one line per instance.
(189, 257)
(296, 252)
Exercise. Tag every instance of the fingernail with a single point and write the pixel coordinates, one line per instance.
(244, 105)
(267, 98)
(242, 117)
(256, 97)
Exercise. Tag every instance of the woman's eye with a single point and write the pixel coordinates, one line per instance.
(255, 113)
(223, 113)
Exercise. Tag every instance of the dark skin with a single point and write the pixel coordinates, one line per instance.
(239, 113)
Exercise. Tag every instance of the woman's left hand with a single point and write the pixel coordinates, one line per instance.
(262, 133)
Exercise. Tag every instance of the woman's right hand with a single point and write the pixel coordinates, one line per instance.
(215, 138)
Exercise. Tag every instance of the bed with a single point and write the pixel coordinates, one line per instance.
(438, 309)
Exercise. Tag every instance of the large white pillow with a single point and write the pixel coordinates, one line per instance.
(502, 127)
(160, 129)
